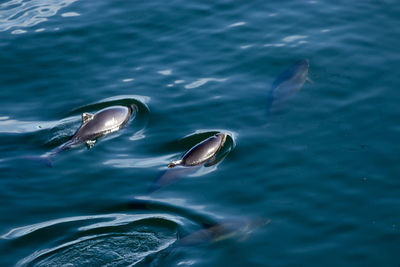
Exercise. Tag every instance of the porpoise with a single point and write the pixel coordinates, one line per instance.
(287, 84)
(93, 126)
(202, 152)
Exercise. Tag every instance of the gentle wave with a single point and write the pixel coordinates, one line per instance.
(25, 230)
(16, 126)
(19, 13)
(95, 250)
(237, 24)
(140, 162)
(293, 38)
(70, 14)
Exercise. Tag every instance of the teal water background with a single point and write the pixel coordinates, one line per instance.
(324, 171)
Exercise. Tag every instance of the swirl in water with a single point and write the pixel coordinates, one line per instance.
(98, 240)
(141, 230)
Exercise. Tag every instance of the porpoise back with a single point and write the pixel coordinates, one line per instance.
(102, 122)
(202, 152)
(93, 126)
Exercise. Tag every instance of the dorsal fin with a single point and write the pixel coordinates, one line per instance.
(90, 143)
(86, 117)
(174, 163)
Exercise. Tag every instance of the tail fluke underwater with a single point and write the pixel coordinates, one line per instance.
(270, 101)
(47, 158)
(286, 85)
(44, 160)
(168, 177)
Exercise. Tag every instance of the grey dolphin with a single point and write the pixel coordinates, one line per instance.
(202, 152)
(287, 84)
(93, 126)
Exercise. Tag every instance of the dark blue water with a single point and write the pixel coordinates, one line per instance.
(313, 184)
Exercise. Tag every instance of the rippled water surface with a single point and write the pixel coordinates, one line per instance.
(308, 175)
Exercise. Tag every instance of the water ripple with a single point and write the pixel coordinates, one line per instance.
(165, 72)
(139, 162)
(127, 250)
(117, 239)
(237, 24)
(203, 81)
(17, 126)
(293, 38)
(19, 13)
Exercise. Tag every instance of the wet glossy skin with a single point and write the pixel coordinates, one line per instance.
(104, 121)
(93, 126)
(202, 152)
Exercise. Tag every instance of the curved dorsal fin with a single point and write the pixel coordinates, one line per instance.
(86, 117)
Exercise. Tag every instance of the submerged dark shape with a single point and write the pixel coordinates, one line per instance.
(287, 84)
(93, 126)
(202, 152)
(170, 176)
(239, 229)
(207, 153)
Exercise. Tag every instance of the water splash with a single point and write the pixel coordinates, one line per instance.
(20, 13)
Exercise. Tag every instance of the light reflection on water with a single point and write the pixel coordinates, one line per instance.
(20, 13)
(203, 81)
